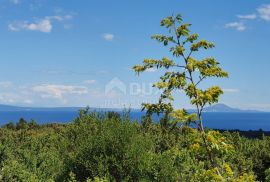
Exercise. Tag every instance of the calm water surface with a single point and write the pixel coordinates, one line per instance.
(242, 121)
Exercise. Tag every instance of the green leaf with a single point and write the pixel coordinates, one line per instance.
(183, 30)
(164, 39)
(167, 22)
(201, 44)
(183, 116)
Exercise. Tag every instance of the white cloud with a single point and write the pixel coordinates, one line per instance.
(239, 26)
(28, 101)
(151, 70)
(5, 84)
(59, 18)
(13, 94)
(7, 98)
(67, 26)
(248, 17)
(264, 12)
(257, 106)
(14, 98)
(48, 94)
(44, 25)
(90, 81)
(15, 1)
(59, 91)
(231, 90)
(108, 36)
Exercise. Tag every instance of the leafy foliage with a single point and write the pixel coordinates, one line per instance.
(184, 72)
(110, 147)
(103, 147)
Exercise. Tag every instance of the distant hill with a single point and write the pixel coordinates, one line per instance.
(225, 108)
(214, 108)
(17, 108)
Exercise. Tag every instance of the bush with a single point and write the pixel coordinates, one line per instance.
(108, 147)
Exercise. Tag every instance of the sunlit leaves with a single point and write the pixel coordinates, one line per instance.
(203, 97)
(208, 67)
(176, 80)
(138, 68)
(153, 63)
(178, 50)
(191, 38)
(170, 81)
(160, 85)
(167, 22)
(178, 18)
(201, 44)
(157, 108)
(218, 143)
(213, 72)
(165, 62)
(183, 30)
(184, 74)
(164, 39)
(212, 94)
(167, 94)
(183, 116)
(191, 64)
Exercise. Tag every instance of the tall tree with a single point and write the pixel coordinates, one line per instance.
(183, 73)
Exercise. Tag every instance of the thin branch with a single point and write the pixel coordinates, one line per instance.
(188, 78)
(179, 66)
(176, 33)
(189, 54)
(201, 79)
(199, 108)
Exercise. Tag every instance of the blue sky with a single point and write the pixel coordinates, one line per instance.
(70, 52)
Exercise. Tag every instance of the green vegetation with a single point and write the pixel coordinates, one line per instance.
(107, 147)
(111, 147)
(186, 73)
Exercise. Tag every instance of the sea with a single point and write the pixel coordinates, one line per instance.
(215, 120)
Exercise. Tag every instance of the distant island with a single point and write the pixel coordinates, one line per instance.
(213, 108)
(19, 108)
(225, 108)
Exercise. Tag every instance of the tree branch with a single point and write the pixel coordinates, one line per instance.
(201, 79)
(189, 55)
(179, 66)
